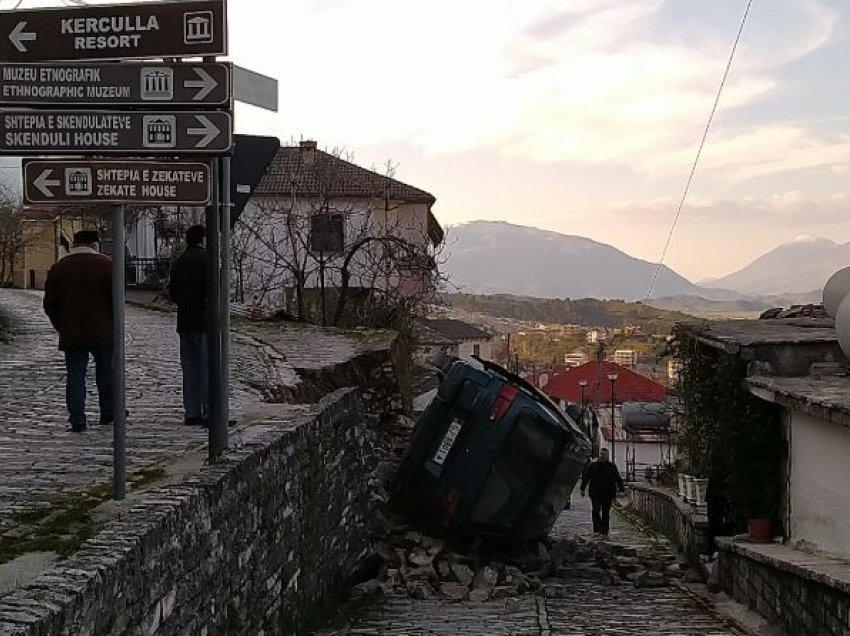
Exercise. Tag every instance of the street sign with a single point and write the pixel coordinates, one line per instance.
(107, 181)
(251, 158)
(106, 83)
(115, 32)
(255, 89)
(96, 132)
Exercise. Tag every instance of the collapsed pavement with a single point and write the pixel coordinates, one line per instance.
(408, 560)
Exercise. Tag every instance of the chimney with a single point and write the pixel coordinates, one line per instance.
(308, 151)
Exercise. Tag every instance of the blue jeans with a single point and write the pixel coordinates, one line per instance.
(76, 365)
(193, 359)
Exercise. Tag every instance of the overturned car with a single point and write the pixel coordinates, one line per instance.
(491, 455)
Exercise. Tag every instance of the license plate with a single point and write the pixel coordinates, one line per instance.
(447, 443)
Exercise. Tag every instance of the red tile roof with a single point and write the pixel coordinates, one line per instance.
(629, 387)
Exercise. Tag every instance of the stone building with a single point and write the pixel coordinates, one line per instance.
(801, 579)
(453, 337)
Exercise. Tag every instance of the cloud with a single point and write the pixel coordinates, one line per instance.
(601, 82)
(790, 208)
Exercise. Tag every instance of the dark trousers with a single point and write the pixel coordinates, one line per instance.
(76, 366)
(601, 514)
(193, 360)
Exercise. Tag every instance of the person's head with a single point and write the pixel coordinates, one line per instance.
(603, 454)
(86, 238)
(195, 235)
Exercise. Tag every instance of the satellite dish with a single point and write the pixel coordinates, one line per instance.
(836, 289)
(842, 325)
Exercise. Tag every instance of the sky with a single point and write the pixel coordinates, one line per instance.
(578, 116)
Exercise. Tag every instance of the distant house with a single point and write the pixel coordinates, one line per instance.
(313, 210)
(46, 237)
(626, 357)
(575, 359)
(453, 337)
(595, 336)
(632, 444)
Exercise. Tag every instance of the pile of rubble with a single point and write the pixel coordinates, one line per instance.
(416, 564)
(795, 311)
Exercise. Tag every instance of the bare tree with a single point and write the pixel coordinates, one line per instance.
(12, 235)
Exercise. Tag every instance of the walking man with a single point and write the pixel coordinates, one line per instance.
(78, 302)
(604, 480)
(188, 288)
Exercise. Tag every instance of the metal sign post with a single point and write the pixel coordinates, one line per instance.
(219, 432)
(119, 423)
(51, 78)
(214, 313)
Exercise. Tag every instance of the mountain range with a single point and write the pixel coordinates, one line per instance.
(801, 265)
(494, 257)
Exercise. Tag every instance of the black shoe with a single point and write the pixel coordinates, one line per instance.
(76, 428)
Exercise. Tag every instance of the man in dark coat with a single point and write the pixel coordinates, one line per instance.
(78, 302)
(604, 480)
(188, 288)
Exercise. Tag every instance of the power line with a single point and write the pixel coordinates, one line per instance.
(699, 152)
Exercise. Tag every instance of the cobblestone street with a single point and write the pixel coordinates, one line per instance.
(572, 607)
(38, 458)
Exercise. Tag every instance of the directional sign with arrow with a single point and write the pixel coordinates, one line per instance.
(52, 132)
(115, 32)
(104, 83)
(108, 181)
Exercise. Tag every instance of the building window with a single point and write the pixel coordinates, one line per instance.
(327, 233)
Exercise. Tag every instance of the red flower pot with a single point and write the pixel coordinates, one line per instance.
(760, 530)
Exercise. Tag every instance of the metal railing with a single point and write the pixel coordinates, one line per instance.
(148, 273)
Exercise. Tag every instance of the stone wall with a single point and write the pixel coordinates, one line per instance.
(252, 545)
(797, 597)
(672, 517)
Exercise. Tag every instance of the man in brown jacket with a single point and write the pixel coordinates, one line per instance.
(78, 301)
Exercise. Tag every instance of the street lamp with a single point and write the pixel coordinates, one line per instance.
(581, 385)
(613, 378)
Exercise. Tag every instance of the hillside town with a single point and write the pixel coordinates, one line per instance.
(360, 339)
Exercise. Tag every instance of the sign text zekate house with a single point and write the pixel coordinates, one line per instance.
(116, 181)
(130, 31)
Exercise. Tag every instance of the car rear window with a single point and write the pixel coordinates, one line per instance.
(516, 475)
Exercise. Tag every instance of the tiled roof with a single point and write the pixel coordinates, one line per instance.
(456, 330)
(629, 386)
(427, 336)
(307, 171)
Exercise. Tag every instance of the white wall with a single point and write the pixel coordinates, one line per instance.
(262, 270)
(819, 483)
(467, 348)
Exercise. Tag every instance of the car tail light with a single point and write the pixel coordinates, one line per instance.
(450, 507)
(503, 401)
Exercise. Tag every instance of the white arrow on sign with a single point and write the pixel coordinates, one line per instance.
(44, 183)
(209, 130)
(18, 36)
(207, 83)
